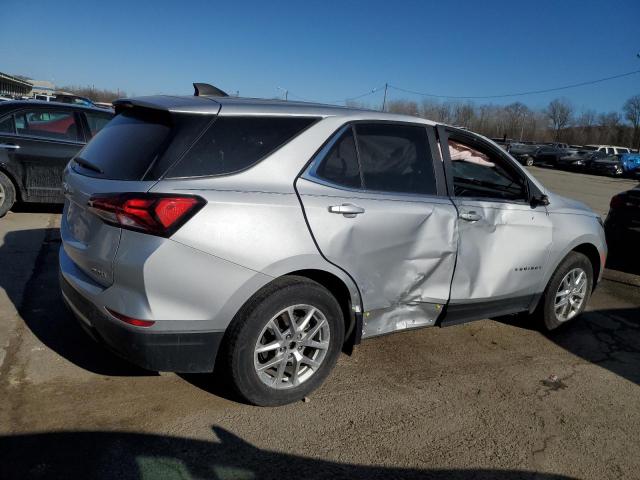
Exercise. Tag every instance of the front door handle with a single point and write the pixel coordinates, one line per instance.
(470, 216)
(9, 146)
(347, 209)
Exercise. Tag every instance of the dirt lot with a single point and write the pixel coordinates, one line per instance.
(491, 399)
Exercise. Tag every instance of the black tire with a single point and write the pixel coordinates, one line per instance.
(529, 162)
(7, 194)
(546, 308)
(245, 329)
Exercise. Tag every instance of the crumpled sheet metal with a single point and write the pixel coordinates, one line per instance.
(400, 317)
(401, 253)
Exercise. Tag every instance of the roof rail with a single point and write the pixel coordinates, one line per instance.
(204, 89)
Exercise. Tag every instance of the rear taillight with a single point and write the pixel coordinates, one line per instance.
(157, 214)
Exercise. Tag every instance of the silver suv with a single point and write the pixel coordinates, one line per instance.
(264, 237)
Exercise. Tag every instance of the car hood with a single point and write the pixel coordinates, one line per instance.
(560, 204)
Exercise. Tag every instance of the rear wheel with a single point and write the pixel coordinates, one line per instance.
(7, 194)
(567, 292)
(283, 344)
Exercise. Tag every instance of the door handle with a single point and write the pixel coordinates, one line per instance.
(347, 209)
(9, 146)
(470, 216)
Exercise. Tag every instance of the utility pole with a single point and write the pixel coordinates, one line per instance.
(384, 100)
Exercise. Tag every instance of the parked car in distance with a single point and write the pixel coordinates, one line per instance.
(37, 140)
(578, 159)
(269, 240)
(551, 153)
(625, 164)
(623, 221)
(609, 149)
(525, 154)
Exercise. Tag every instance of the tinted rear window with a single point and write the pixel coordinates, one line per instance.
(125, 148)
(232, 144)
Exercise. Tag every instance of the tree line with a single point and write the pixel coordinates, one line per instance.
(559, 121)
(94, 94)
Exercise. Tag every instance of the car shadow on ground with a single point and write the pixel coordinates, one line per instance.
(44, 313)
(609, 338)
(129, 456)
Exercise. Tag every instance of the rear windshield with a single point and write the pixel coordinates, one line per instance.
(232, 144)
(125, 148)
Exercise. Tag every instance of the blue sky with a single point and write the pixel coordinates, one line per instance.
(326, 50)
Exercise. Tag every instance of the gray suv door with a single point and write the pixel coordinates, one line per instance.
(371, 200)
(504, 239)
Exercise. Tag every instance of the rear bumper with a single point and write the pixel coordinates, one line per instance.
(186, 352)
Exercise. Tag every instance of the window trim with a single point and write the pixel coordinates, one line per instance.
(443, 134)
(309, 172)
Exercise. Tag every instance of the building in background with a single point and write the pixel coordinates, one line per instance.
(13, 86)
(42, 87)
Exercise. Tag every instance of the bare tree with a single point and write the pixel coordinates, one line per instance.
(631, 110)
(559, 113)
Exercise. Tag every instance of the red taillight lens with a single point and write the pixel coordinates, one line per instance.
(136, 322)
(150, 213)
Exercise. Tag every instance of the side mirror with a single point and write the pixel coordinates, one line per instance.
(539, 200)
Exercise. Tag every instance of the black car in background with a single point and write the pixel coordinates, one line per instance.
(579, 159)
(37, 140)
(551, 153)
(623, 221)
(610, 165)
(525, 154)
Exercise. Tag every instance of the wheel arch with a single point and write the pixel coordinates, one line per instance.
(590, 251)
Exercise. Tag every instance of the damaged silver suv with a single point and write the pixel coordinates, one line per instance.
(265, 237)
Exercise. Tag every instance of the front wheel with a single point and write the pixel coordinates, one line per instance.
(567, 292)
(529, 162)
(284, 343)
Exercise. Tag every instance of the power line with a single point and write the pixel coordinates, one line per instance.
(519, 94)
(342, 100)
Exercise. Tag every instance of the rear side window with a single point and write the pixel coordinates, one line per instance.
(340, 166)
(232, 144)
(125, 148)
(395, 158)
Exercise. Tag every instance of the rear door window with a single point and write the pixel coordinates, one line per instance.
(232, 144)
(48, 124)
(340, 166)
(395, 158)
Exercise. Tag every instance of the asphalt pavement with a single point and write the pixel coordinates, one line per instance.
(490, 399)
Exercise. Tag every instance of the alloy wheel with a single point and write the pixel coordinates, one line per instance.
(292, 346)
(571, 294)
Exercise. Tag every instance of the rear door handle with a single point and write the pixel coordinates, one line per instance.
(470, 216)
(347, 209)
(9, 146)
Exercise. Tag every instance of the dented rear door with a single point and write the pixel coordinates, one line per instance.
(400, 248)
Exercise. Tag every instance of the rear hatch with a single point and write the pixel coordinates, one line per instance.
(128, 155)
